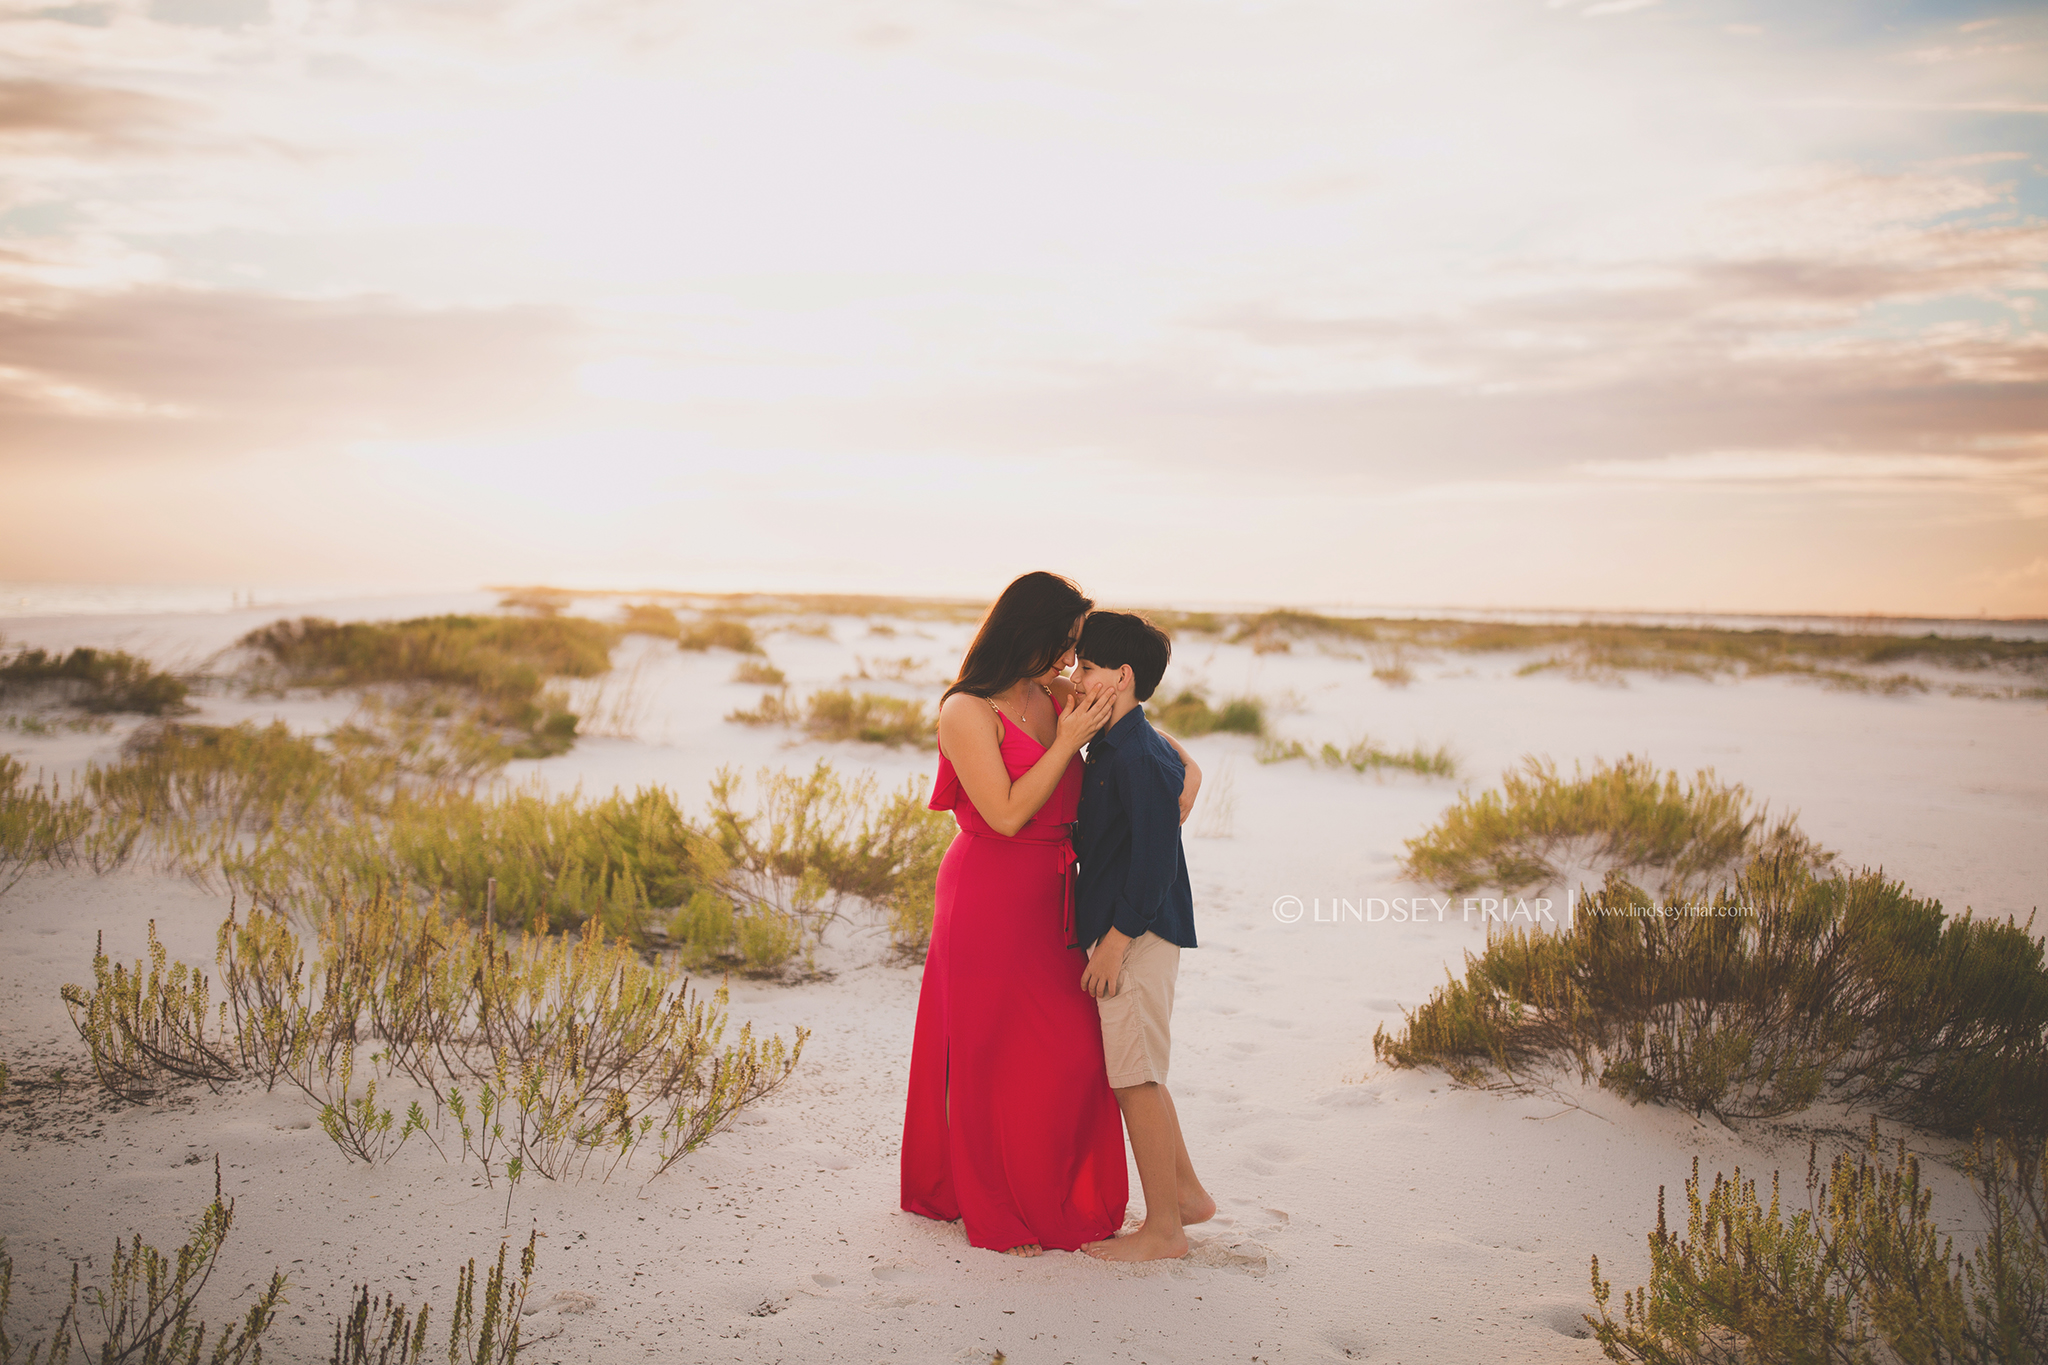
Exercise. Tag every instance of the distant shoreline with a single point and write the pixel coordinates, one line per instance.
(26, 601)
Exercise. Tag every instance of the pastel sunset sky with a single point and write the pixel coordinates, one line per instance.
(1634, 304)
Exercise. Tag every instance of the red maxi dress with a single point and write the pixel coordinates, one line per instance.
(1011, 1124)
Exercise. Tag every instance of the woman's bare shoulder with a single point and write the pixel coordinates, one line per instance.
(957, 716)
(963, 701)
(1062, 691)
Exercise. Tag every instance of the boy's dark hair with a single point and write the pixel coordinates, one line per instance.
(1111, 639)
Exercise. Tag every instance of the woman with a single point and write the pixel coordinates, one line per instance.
(1011, 1125)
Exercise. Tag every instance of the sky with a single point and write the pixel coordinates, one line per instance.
(1605, 304)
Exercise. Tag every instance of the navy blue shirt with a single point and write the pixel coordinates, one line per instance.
(1134, 875)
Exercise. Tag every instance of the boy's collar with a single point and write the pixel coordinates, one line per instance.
(1108, 735)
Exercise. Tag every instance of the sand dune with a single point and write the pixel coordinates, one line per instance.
(1365, 1213)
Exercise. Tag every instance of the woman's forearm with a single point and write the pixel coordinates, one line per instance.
(1031, 791)
(1191, 779)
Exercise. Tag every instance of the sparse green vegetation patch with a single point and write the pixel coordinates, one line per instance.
(503, 662)
(1864, 1273)
(652, 618)
(548, 1053)
(1190, 713)
(759, 672)
(1626, 814)
(98, 680)
(1364, 756)
(147, 1310)
(719, 632)
(1786, 986)
(837, 714)
(303, 825)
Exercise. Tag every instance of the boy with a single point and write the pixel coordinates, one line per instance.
(1132, 903)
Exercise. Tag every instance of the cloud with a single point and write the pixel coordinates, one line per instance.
(169, 369)
(104, 118)
(2020, 480)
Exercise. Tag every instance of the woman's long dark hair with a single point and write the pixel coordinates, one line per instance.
(1023, 634)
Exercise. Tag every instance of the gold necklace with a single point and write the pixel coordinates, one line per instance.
(1024, 708)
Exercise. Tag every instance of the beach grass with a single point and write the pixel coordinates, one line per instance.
(503, 663)
(548, 1053)
(96, 680)
(809, 842)
(907, 669)
(1363, 756)
(1865, 1272)
(300, 825)
(392, 1333)
(42, 827)
(1627, 814)
(651, 618)
(836, 714)
(1189, 714)
(147, 1308)
(750, 605)
(718, 632)
(1601, 651)
(1788, 985)
(759, 672)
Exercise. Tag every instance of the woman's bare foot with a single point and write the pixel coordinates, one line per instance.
(1026, 1249)
(1198, 1208)
(1142, 1245)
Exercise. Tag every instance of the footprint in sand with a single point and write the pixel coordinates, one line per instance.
(896, 1272)
(1566, 1320)
(1241, 1255)
(1347, 1344)
(822, 1155)
(541, 1321)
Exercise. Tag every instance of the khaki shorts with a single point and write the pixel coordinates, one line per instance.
(1135, 1036)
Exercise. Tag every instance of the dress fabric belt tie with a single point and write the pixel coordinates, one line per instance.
(1058, 838)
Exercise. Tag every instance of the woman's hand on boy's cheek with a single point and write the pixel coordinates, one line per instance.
(1105, 964)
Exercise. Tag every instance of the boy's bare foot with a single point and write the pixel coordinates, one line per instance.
(1142, 1245)
(1026, 1249)
(1198, 1209)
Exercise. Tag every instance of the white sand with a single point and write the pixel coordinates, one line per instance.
(1366, 1214)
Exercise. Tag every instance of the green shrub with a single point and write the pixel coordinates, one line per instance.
(539, 601)
(39, 826)
(400, 1334)
(812, 841)
(1864, 1274)
(579, 1051)
(651, 618)
(101, 680)
(558, 862)
(1632, 816)
(719, 632)
(146, 1032)
(502, 661)
(1790, 986)
(145, 1313)
(837, 714)
(1363, 756)
(1190, 714)
(758, 672)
